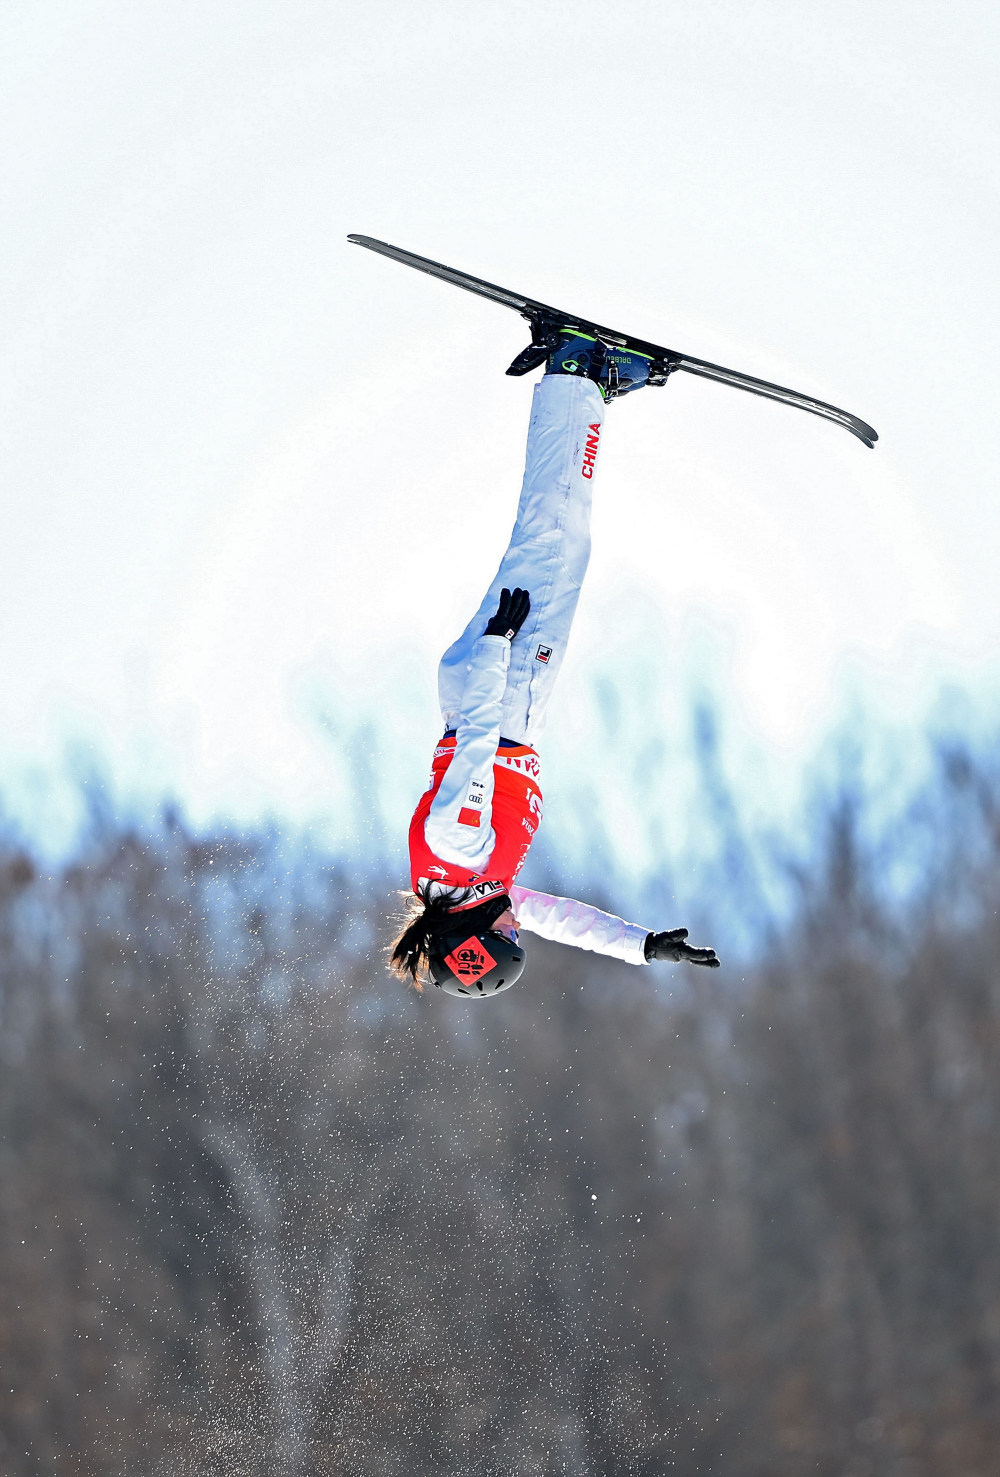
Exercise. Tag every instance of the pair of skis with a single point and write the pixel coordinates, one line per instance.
(545, 319)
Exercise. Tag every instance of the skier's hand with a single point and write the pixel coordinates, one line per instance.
(511, 614)
(671, 945)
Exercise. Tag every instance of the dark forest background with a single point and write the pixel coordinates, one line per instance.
(265, 1213)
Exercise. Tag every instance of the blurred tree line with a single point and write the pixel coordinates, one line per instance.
(263, 1213)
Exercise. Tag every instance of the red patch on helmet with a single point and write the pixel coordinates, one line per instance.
(470, 960)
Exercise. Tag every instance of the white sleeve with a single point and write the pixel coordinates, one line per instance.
(459, 824)
(569, 922)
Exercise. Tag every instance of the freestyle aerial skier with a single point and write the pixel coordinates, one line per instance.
(472, 827)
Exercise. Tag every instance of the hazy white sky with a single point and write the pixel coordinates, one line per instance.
(251, 473)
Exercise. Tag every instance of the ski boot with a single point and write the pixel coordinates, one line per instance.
(571, 351)
(624, 370)
(615, 371)
(578, 353)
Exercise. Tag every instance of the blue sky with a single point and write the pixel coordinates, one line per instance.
(253, 475)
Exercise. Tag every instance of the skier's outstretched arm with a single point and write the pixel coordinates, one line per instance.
(459, 824)
(566, 921)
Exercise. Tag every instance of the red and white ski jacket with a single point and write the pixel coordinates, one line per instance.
(478, 816)
(481, 809)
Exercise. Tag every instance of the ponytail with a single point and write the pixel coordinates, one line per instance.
(426, 918)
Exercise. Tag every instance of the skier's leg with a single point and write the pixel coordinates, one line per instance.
(547, 555)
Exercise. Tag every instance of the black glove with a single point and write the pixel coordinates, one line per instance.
(511, 614)
(671, 945)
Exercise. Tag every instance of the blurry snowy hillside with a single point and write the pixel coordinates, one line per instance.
(268, 1214)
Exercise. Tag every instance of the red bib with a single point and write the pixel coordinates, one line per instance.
(517, 813)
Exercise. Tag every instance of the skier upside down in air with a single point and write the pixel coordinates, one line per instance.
(473, 826)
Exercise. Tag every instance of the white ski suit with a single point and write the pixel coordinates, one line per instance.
(475, 822)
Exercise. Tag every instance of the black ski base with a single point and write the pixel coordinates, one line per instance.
(546, 321)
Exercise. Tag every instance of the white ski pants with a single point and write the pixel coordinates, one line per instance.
(547, 556)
